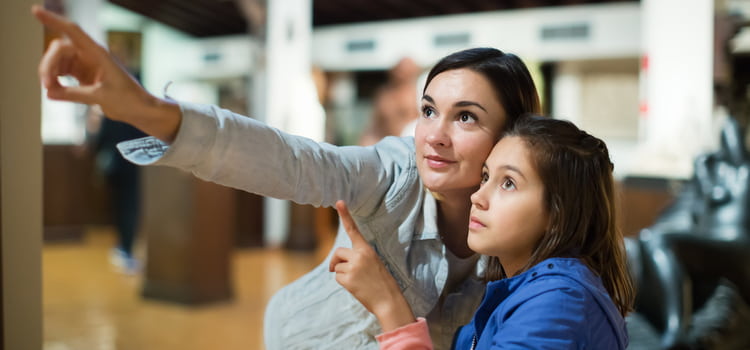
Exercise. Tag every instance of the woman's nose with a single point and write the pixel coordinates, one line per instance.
(438, 134)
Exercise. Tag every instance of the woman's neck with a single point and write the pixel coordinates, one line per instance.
(453, 222)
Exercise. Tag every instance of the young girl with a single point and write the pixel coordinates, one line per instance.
(410, 196)
(545, 214)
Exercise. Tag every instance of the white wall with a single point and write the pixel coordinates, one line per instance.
(189, 63)
(678, 44)
(20, 176)
(612, 31)
(601, 97)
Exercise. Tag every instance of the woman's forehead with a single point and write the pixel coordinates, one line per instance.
(461, 84)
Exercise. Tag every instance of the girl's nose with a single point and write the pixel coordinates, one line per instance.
(478, 200)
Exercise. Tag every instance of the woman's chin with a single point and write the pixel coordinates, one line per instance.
(437, 186)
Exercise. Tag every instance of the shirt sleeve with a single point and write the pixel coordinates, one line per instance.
(236, 151)
(551, 319)
(414, 336)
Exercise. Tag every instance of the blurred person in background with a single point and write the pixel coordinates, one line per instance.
(395, 106)
(123, 180)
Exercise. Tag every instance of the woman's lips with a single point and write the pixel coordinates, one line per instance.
(475, 223)
(436, 162)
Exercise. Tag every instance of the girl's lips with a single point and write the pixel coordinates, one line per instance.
(475, 223)
(438, 162)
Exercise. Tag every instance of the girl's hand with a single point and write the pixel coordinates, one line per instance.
(361, 272)
(102, 81)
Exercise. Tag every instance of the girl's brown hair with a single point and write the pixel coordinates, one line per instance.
(579, 194)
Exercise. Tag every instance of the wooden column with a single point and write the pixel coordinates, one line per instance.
(189, 227)
(641, 201)
(20, 178)
(74, 194)
(249, 210)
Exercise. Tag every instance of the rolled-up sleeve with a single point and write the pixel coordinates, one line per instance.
(414, 336)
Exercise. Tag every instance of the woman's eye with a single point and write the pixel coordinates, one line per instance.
(508, 185)
(428, 112)
(485, 178)
(467, 118)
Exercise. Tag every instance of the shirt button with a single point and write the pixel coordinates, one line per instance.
(549, 266)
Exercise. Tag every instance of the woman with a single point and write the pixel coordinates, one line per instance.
(410, 196)
(546, 214)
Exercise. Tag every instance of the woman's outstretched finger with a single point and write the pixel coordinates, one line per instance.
(64, 26)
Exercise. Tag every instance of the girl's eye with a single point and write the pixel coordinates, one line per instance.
(485, 178)
(508, 185)
(428, 112)
(467, 118)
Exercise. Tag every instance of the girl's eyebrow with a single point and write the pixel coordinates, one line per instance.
(506, 167)
(513, 169)
(457, 104)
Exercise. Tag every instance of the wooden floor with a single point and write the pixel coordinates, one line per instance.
(89, 305)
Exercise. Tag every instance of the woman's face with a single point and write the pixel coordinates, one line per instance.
(508, 215)
(460, 122)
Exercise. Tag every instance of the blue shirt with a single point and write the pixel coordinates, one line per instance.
(557, 304)
(387, 199)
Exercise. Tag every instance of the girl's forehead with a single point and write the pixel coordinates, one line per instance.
(510, 150)
(510, 145)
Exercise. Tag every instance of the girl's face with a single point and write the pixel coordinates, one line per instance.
(508, 215)
(461, 120)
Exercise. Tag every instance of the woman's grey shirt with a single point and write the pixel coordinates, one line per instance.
(386, 197)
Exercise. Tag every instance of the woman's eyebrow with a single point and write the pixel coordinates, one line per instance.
(469, 103)
(457, 104)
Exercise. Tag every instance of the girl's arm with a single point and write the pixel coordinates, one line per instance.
(413, 336)
(361, 272)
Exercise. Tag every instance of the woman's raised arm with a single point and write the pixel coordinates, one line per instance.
(102, 81)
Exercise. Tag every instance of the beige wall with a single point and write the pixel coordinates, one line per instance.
(20, 176)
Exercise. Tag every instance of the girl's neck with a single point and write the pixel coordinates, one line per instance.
(512, 264)
(453, 222)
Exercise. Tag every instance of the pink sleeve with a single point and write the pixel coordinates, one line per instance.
(413, 336)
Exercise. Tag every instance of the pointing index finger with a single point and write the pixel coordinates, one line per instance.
(60, 24)
(349, 225)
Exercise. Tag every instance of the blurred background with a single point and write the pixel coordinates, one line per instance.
(656, 79)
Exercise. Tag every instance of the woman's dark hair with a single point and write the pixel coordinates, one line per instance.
(506, 72)
(579, 196)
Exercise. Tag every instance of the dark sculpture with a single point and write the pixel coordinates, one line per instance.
(692, 267)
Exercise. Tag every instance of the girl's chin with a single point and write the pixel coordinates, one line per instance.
(476, 248)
